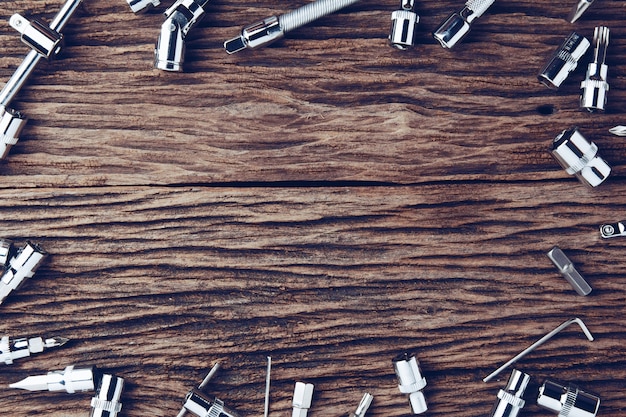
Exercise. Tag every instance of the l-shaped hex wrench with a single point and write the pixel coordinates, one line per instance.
(539, 343)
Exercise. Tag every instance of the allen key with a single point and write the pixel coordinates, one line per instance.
(539, 343)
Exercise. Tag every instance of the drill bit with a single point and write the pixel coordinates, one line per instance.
(11, 349)
(70, 380)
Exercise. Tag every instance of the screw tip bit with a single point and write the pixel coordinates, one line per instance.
(578, 10)
(32, 383)
(56, 341)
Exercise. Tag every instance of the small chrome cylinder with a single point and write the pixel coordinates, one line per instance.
(580, 157)
(302, 397)
(45, 41)
(567, 401)
(457, 25)
(510, 401)
(11, 125)
(410, 381)
(595, 85)
(262, 32)
(6, 249)
(197, 403)
(563, 61)
(72, 379)
(107, 403)
(403, 25)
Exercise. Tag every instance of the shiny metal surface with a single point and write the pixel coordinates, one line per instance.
(411, 381)
(21, 267)
(540, 342)
(568, 270)
(563, 61)
(580, 157)
(457, 25)
(595, 85)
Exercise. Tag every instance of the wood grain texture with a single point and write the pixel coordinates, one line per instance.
(327, 201)
(331, 102)
(156, 283)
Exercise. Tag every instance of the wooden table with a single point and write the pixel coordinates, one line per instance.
(328, 201)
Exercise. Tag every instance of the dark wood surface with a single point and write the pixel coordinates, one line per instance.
(327, 201)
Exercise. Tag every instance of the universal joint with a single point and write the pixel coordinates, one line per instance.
(169, 54)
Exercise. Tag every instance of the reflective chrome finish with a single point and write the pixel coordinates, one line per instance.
(595, 85)
(580, 157)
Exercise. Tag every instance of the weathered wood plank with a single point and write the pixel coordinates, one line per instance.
(332, 102)
(156, 283)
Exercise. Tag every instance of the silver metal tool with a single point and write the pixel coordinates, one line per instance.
(6, 252)
(36, 35)
(403, 25)
(578, 10)
(567, 400)
(302, 396)
(510, 401)
(70, 380)
(106, 402)
(568, 270)
(411, 381)
(539, 343)
(580, 157)
(22, 347)
(21, 267)
(563, 61)
(140, 6)
(618, 130)
(270, 29)
(180, 18)
(42, 43)
(595, 85)
(363, 406)
(457, 25)
(11, 125)
(266, 408)
(199, 404)
(613, 230)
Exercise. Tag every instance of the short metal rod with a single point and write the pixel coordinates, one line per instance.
(63, 16)
(267, 387)
(539, 343)
(210, 375)
(19, 77)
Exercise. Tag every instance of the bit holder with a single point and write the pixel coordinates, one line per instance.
(403, 25)
(410, 381)
(595, 85)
